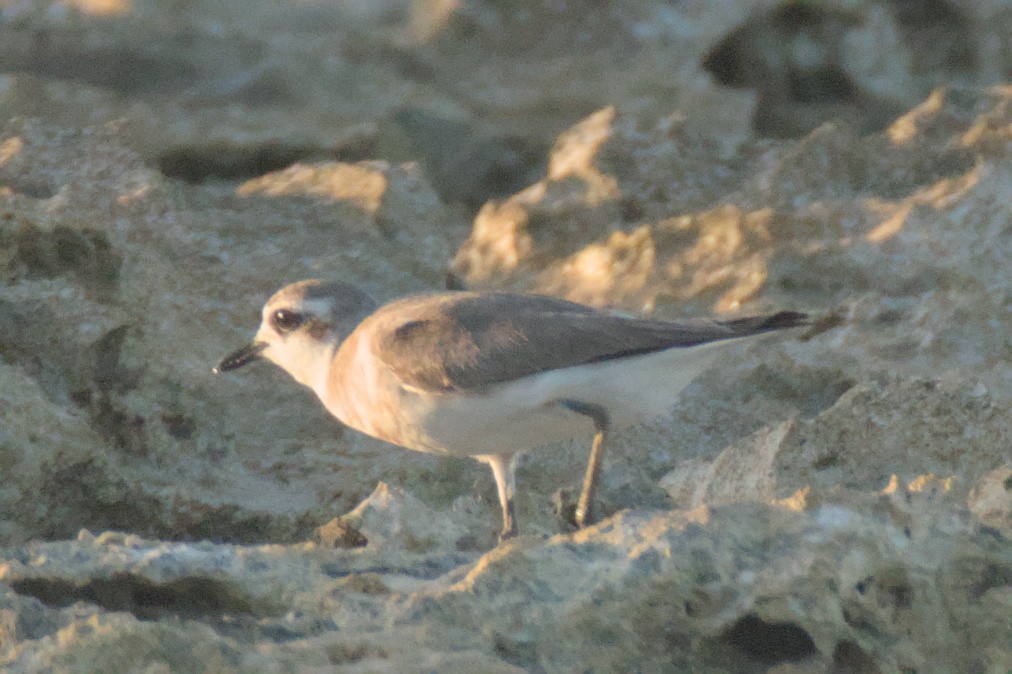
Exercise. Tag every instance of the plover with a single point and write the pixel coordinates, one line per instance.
(486, 375)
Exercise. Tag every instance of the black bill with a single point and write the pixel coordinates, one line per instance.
(243, 356)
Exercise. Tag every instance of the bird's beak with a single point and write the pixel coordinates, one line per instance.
(243, 356)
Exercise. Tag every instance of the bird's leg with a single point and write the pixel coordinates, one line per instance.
(509, 525)
(504, 472)
(585, 506)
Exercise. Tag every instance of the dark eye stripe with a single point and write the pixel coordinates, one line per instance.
(285, 320)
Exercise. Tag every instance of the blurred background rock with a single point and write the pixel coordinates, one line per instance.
(838, 502)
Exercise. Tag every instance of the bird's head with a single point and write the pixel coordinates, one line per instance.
(301, 327)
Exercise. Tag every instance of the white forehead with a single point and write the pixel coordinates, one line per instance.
(305, 296)
(317, 306)
(332, 301)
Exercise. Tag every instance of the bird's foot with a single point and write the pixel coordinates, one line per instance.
(505, 535)
(564, 509)
(583, 518)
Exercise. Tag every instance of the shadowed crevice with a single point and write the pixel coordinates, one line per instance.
(191, 597)
(195, 164)
(849, 658)
(769, 643)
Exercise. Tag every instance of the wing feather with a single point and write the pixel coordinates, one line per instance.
(468, 341)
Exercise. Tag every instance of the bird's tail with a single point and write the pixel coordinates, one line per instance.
(754, 325)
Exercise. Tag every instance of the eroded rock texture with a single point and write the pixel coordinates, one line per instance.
(835, 500)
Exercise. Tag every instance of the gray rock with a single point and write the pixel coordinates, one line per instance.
(837, 500)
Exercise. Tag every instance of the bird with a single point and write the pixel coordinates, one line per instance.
(487, 375)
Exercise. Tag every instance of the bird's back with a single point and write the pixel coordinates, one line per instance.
(467, 341)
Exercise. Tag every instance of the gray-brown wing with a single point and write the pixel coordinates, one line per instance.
(466, 341)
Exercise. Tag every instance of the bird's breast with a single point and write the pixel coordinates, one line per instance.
(364, 394)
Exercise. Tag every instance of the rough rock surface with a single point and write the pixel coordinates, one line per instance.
(833, 500)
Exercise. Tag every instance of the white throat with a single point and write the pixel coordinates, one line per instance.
(305, 359)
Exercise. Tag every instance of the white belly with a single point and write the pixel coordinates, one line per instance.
(524, 414)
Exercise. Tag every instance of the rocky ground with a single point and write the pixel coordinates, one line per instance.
(832, 500)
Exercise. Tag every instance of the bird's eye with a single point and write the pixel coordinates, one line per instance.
(286, 321)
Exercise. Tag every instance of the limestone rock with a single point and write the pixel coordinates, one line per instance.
(874, 435)
(638, 217)
(831, 499)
